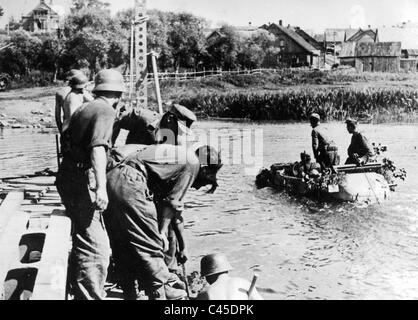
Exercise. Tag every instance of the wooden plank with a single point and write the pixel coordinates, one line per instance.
(9, 244)
(9, 206)
(51, 280)
(28, 183)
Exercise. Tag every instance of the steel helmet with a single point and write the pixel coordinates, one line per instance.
(79, 81)
(209, 156)
(183, 114)
(315, 116)
(351, 121)
(109, 80)
(214, 264)
(72, 73)
(314, 173)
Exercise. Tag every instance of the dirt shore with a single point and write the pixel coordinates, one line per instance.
(28, 108)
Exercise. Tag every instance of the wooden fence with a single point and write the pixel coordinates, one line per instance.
(204, 74)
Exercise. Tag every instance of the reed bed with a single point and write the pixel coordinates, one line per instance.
(371, 104)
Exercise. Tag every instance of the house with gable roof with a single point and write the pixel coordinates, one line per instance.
(43, 18)
(372, 56)
(295, 51)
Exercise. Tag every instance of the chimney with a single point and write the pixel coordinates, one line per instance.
(280, 22)
(288, 26)
(249, 24)
(370, 26)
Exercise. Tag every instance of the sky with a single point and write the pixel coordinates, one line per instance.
(313, 15)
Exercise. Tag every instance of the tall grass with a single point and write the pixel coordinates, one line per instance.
(372, 104)
(294, 94)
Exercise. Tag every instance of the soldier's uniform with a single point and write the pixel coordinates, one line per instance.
(324, 149)
(90, 127)
(360, 147)
(132, 216)
(359, 150)
(144, 126)
(147, 127)
(141, 124)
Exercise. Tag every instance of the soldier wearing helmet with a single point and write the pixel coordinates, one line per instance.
(63, 113)
(148, 127)
(324, 149)
(359, 152)
(138, 235)
(75, 98)
(81, 183)
(215, 268)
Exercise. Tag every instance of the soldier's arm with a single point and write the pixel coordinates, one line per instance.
(315, 143)
(178, 227)
(116, 130)
(125, 121)
(58, 119)
(99, 161)
(366, 146)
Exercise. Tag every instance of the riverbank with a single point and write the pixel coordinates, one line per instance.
(279, 96)
(28, 108)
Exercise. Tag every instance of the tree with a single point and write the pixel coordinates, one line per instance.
(186, 40)
(157, 33)
(223, 49)
(94, 37)
(52, 52)
(1, 12)
(93, 4)
(251, 55)
(23, 55)
(96, 20)
(91, 46)
(14, 24)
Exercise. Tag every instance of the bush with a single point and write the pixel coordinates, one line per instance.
(35, 78)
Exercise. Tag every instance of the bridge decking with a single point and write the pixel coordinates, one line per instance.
(34, 240)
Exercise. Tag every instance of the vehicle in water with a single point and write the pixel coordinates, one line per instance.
(368, 183)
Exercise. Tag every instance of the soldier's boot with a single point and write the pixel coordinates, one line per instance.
(175, 282)
(156, 293)
(174, 294)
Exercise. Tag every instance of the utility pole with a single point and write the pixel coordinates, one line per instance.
(140, 29)
(334, 44)
(131, 63)
(325, 48)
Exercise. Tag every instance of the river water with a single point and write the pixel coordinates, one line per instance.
(300, 249)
